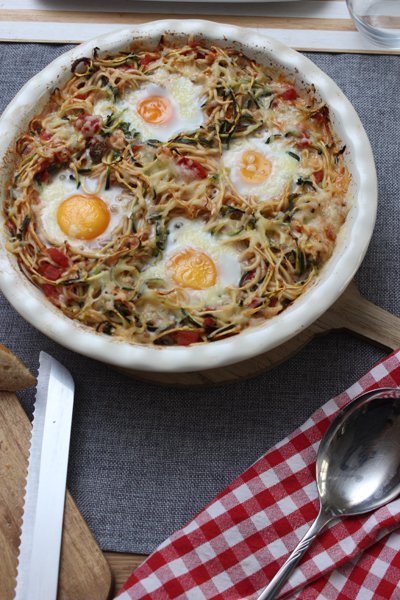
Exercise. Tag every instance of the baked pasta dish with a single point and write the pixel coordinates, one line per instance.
(176, 195)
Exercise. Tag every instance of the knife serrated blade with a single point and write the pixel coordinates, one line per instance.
(39, 552)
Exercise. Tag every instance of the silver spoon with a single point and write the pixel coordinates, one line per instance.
(357, 470)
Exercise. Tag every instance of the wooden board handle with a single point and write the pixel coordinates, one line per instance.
(357, 314)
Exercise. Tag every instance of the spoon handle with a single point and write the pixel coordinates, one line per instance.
(277, 582)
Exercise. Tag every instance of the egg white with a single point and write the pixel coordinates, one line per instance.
(183, 234)
(284, 167)
(182, 93)
(62, 186)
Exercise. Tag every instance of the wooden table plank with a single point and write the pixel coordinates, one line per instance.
(125, 18)
(122, 565)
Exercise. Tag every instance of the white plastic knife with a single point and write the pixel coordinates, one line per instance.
(39, 552)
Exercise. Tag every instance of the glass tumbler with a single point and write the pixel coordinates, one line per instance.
(378, 20)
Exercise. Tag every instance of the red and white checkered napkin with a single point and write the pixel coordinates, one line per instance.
(234, 546)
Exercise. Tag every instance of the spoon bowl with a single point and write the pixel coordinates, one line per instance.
(358, 464)
(357, 468)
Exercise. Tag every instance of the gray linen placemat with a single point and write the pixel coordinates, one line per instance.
(144, 459)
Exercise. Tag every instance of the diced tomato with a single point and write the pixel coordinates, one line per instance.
(136, 147)
(289, 94)
(304, 142)
(318, 175)
(193, 167)
(185, 338)
(50, 271)
(51, 291)
(45, 135)
(89, 125)
(273, 302)
(148, 58)
(81, 96)
(59, 257)
(209, 322)
(255, 302)
(80, 120)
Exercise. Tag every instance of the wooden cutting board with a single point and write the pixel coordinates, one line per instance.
(84, 571)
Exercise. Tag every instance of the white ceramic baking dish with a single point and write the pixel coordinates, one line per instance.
(332, 280)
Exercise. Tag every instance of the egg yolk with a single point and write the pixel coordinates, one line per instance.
(83, 217)
(193, 269)
(255, 167)
(156, 110)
